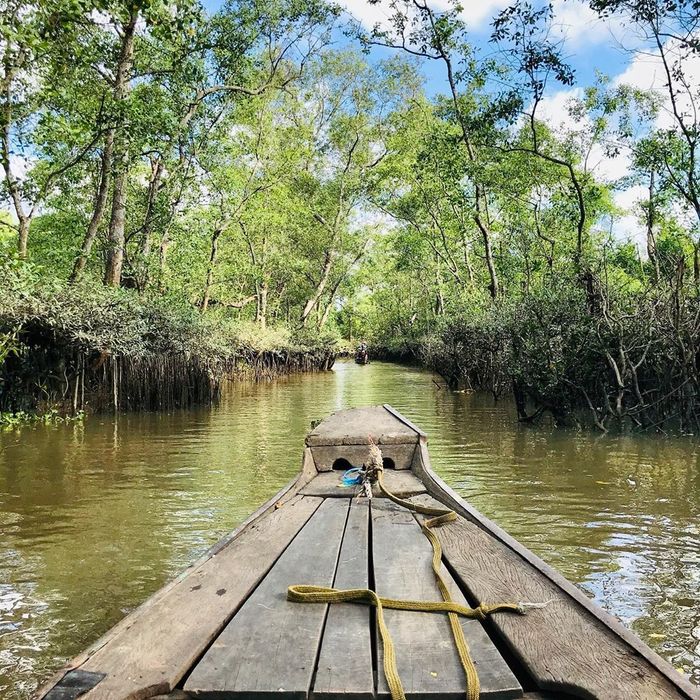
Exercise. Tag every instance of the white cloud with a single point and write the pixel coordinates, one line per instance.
(478, 12)
(367, 15)
(627, 228)
(554, 108)
(646, 71)
(606, 167)
(475, 14)
(580, 26)
(626, 225)
(19, 166)
(629, 198)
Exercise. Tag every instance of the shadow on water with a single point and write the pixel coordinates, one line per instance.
(95, 517)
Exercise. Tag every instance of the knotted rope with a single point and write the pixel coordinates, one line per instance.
(373, 473)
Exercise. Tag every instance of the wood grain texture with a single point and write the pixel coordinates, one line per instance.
(355, 426)
(402, 454)
(151, 655)
(329, 485)
(562, 646)
(400, 417)
(427, 659)
(269, 648)
(345, 663)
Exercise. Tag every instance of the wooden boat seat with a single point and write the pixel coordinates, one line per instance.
(344, 436)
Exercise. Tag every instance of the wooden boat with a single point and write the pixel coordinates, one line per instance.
(225, 628)
(362, 357)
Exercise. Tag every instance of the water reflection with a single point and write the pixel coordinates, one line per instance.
(94, 517)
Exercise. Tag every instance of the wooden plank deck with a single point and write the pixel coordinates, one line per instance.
(269, 649)
(345, 665)
(273, 647)
(428, 663)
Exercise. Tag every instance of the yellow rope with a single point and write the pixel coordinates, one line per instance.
(320, 594)
(443, 516)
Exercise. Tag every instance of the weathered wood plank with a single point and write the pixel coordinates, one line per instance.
(269, 648)
(345, 663)
(152, 654)
(426, 655)
(330, 485)
(649, 662)
(355, 427)
(404, 420)
(562, 646)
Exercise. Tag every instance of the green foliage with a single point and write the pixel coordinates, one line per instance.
(250, 193)
(10, 421)
(92, 318)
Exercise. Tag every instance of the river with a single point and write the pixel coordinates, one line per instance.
(96, 515)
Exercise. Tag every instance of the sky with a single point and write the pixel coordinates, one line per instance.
(590, 45)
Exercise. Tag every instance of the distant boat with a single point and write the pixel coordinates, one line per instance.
(362, 356)
(258, 616)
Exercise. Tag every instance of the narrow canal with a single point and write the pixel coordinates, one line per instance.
(96, 516)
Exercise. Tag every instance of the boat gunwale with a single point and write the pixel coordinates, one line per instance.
(288, 491)
(437, 488)
(422, 468)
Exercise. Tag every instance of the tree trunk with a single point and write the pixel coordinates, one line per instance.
(261, 311)
(117, 225)
(467, 257)
(488, 252)
(329, 305)
(336, 286)
(141, 273)
(210, 268)
(120, 164)
(439, 308)
(99, 210)
(163, 252)
(153, 187)
(312, 302)
(12, 185)
(651, 220)
(23, 237)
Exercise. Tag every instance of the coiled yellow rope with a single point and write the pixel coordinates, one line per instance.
(320, 594)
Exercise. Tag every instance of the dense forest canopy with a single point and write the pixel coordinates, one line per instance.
(274, 170)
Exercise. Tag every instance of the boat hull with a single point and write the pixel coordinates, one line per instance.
(210, 633)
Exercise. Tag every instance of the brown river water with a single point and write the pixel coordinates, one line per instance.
(95, 516)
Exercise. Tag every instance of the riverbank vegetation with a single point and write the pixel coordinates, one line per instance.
(188, 193)
(81, 346)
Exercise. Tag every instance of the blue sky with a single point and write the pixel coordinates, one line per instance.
(590, 45)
